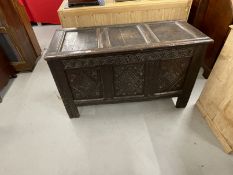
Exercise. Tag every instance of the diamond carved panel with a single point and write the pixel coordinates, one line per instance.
(85, 83)
(129, 80)
(172, 74)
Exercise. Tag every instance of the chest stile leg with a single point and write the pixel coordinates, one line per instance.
(60, 78)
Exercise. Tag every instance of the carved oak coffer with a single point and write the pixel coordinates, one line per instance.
(121, 63)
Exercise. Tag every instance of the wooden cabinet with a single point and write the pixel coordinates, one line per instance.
(123, 63)
(216, 100)
(6, 71)
(17, 38)
(125, 12)
(212, 17)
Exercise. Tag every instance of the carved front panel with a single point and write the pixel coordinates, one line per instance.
(129, 58)
(172, 74)
(129, 79)
(85, 83)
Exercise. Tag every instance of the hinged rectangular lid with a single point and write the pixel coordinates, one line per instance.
(118, 38)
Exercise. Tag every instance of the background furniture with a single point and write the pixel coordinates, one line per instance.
(122, 63)
(82, 2)
(42, 11)
(6, 71)
(17, 37)
(124, 12)
(212, 17)
(216, 100)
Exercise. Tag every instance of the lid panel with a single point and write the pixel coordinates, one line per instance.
(125, 36)
(170, 32)
(80, 40)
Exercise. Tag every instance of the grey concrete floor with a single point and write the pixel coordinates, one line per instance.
(144, 138)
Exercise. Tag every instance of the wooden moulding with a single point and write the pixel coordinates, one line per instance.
(124, 12)
(216, 100)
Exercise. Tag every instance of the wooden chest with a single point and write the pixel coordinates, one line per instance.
(121, 63)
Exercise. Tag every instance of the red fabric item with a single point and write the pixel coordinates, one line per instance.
(44, 11)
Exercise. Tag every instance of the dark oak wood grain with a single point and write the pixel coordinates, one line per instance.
(213, 18)
(124, 63)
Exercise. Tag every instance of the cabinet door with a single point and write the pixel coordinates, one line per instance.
(15, 38)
